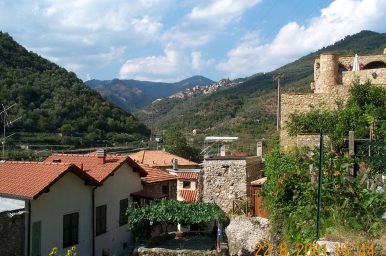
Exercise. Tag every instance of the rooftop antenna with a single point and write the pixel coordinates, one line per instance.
(278, 77)
(6, 123)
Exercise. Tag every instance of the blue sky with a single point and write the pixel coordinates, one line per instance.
(169, 40)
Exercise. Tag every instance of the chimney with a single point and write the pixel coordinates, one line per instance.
(259, 149)
(101, 155)
(175, 164)
(224, 150)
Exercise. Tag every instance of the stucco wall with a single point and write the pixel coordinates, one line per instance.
(180, 184)
(115, 188)
(68, 195)
(224, 179)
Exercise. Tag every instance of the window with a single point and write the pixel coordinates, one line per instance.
(100, 219)
(186, 184)
(165, 189)
(70, 229)
(36, 238)
(123, 204)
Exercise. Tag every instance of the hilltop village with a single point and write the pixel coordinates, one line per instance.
(319, 181)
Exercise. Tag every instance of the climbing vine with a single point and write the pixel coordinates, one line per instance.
(142, 220)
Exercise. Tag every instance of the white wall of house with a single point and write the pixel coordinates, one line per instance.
(68, 195)
(115, 188)
(180, 184)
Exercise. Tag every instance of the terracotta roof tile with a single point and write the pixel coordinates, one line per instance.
(93, 165)
(159, 158)
(187, 175)
(189, 195)
(156, 175)
(29, 179)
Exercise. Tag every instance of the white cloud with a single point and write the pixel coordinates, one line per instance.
(170, 67)
(222, 11)
(90, 33)
(152, 66)
(204, 23)
(198, 63)
(340, 18)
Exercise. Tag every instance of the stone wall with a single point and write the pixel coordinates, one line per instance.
(310, 140)
(142, 251)
(376, 76)
(330, 89)
(227, 178)
(157, 187)
(302, 103)
(11, 234)
(244, 233)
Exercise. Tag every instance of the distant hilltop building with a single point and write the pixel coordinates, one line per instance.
(333, 77)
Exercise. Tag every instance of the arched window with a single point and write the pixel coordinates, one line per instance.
(341, 68)
(375, 65)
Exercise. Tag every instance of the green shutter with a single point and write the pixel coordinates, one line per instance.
(70, 229)
(123, 204)
(36, 238)
(100, 219)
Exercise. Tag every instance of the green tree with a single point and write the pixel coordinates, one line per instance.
(176, 143)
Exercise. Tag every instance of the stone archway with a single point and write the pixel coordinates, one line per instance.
(342, 68)
(375, 65)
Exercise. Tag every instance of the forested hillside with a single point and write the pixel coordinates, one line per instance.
(51, 100)
(248, 109)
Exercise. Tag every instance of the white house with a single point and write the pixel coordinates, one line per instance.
(69, 199)
(54, 202)
(118, 177)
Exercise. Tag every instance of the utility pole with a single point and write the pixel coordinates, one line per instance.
(5, 124)
(278, 77)
(320, 184)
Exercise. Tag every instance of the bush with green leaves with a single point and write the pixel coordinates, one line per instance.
(347, 203)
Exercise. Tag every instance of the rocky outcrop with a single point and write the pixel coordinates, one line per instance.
(244, 232)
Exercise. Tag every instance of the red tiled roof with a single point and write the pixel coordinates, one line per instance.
(187, 175)
(156, 175)
(189, 195)
(93, 165)
(149, 194)
(159, 158)
(30, 179)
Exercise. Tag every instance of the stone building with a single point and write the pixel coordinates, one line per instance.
(226, 178)
(333, 77)
(12, 238)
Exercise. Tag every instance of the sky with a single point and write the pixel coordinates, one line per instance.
(169, 40)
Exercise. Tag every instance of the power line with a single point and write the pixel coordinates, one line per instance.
(6, 123)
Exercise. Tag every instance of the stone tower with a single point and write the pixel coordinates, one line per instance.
(326, 72)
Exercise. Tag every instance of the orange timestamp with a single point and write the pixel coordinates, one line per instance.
(315, 249)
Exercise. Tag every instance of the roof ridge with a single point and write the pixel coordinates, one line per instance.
(80, 155)
(34, 162)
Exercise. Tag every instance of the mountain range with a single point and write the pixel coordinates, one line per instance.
(57, 107)
(132, 95)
